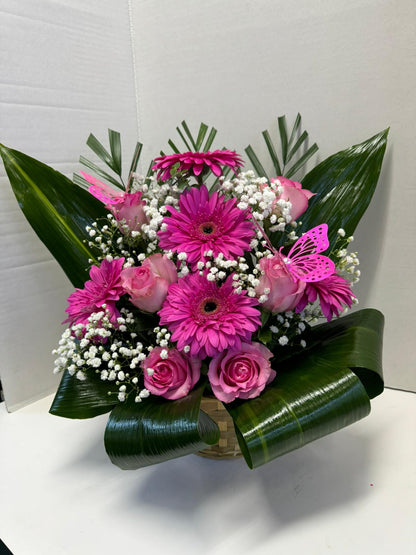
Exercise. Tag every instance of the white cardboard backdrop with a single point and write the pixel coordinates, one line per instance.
(140, 67)
(66, 71)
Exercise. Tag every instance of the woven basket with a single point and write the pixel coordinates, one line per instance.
(227, 447)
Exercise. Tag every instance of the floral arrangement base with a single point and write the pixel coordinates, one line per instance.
(227, 446)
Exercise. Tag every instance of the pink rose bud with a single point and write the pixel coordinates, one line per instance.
(242, 373)
(148, 284)
(129, 207)
(293, 193)
(283, 291)
(171, 377)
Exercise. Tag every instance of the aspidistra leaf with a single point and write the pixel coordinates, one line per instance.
(57, 209)
(317, 391)
(156, 430)
(344, 183)
(83, 398)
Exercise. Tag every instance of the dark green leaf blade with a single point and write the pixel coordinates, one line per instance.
(258, 168)
(57, 209)
(295, 129)
(203, 128)
(83, 399)
(302, 160)
(99, 171)
(283, 136)
(272, 152)
(344, 183)
(210, 139)
(302, 138)
(316, 392)
(115, 147)
(156, 430)
(189, 135)
(101, 152)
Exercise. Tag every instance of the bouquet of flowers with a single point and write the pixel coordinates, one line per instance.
(206, 279)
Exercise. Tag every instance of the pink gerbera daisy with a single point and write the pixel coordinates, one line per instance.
(195, 162)
(103, 288)
(208, 317)
(334, 293)
(206, 223)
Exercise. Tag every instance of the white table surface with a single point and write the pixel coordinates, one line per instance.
(352, 492)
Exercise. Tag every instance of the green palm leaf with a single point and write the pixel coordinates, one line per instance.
(317, 391)
(156, 430)
(57, 209)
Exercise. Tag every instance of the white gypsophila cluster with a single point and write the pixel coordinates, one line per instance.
(110, 350)
(157, 196)
(287, 327)
(262, 198)
(347, 262)
(111, 239)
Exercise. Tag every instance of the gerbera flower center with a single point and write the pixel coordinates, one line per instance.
(207, 228)
(210, 307)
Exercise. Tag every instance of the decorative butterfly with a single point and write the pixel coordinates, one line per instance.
(303, 260)
(103, 192)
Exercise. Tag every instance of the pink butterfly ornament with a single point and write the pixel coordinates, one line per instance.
(127, 208)
(304, 261)
(102, 191)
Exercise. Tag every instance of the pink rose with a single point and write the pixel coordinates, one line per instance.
(172, 377)
(129, 207)
(282, 289)
(293, 193)
(242, 373)
(123, 206)
(148, 284)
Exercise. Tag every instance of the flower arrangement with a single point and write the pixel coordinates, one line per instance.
(204, 278)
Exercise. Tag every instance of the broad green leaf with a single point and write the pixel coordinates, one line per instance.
(344, 183)
(57, 209)
(156, 430)
(83, 399)
(317, 391)
(115, 147)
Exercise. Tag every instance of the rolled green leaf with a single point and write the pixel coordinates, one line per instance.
(317, 391)
(83, 398)
(156, 430)
(57, 209)
(344, 183)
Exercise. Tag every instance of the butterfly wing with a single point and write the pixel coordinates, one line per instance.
(100, 190)
(303, 260)
(312, 267)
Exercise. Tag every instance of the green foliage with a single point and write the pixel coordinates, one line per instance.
(57, 209)
(156, 430)
(317, 391)
(290, 145)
